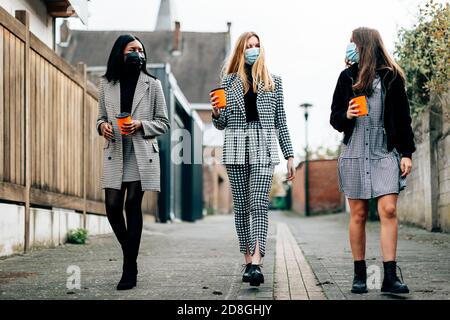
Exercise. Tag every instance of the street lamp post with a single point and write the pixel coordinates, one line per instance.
(307, 208)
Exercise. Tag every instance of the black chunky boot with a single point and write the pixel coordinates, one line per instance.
(360, 277)
(391, 283)
(246, 269)
(129, 276)
(256, 276)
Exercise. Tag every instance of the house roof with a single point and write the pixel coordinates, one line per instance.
(68, 8)
(196, 66)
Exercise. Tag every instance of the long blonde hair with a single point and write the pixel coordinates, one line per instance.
(236, 64)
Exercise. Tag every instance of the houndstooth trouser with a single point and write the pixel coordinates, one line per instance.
(250, 186)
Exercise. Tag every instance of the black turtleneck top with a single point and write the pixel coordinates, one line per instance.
(128, 81)
(251, 111)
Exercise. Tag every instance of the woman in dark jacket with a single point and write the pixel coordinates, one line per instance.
(377, 153)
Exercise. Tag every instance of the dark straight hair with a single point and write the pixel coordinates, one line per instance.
(116, 58)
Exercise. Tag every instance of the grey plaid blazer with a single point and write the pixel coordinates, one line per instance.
(149, 106)
(272, 116)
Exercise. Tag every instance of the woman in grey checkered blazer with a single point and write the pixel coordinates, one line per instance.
(377, 151)
(253, 119)
(131, 162)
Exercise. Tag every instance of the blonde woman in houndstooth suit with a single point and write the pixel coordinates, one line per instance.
(253, 119)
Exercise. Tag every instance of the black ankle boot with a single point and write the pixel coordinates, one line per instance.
(391, 283)
(256, 276)
(129, 276)
(360, 277)
(246, 269)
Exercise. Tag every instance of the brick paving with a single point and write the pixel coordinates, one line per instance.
(294, 279)
(424, 257)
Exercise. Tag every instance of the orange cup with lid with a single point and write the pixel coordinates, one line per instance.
(222, 99)
(361, 101)
(123, 118)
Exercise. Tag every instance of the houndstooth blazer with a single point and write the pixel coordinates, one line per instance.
(149, 106)
(271, 113)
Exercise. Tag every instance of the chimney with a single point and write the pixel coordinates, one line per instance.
(176, 49)
(228, 39)
(64, 33)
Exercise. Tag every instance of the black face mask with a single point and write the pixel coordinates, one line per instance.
(134, 59)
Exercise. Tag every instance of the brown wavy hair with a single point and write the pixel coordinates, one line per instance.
(373, 57)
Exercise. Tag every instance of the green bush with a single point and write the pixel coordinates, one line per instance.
(77, 236)
(210, 211)
(424, 54)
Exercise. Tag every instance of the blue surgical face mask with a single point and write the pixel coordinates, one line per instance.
(352, 53)
(251, 55)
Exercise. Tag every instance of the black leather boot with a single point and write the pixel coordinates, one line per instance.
(256, 276)
(391, 283)
(129, 276)
(246, 269)
(360, 277)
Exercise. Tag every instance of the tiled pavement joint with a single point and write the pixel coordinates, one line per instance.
(294, 278)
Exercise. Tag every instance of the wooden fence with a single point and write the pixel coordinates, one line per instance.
(50, 153)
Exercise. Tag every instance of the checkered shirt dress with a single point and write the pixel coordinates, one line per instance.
(366, 168)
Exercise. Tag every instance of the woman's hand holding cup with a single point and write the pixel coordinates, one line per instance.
(132, 127)
(353, 110)
(214, 102)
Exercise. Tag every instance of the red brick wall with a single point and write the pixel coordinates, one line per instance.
(298, 190)
(324, 192)
(216, 186)
(205, 115)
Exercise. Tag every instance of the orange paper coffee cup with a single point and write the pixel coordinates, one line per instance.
(361, 101)
(220, 93)
(122, 118)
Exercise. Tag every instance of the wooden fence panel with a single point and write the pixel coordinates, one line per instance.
(56, 114)
(12, 125)
(94, 151)
(65, 151)
(2, 97)
(56, 110)
(7, 109)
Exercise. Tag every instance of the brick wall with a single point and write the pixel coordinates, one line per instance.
(205, 115)
(324, 195)
(216, 186)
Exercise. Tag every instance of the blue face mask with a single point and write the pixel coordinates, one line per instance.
(251, 55)
(352, 53)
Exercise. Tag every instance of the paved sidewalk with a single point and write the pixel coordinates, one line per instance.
(424, 257)
(177, 261)
(307, 258)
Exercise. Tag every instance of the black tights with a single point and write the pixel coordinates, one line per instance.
(129, 234)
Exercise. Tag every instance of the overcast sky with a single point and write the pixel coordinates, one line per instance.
(305, 41)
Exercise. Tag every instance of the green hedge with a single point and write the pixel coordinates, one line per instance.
(424, 54)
